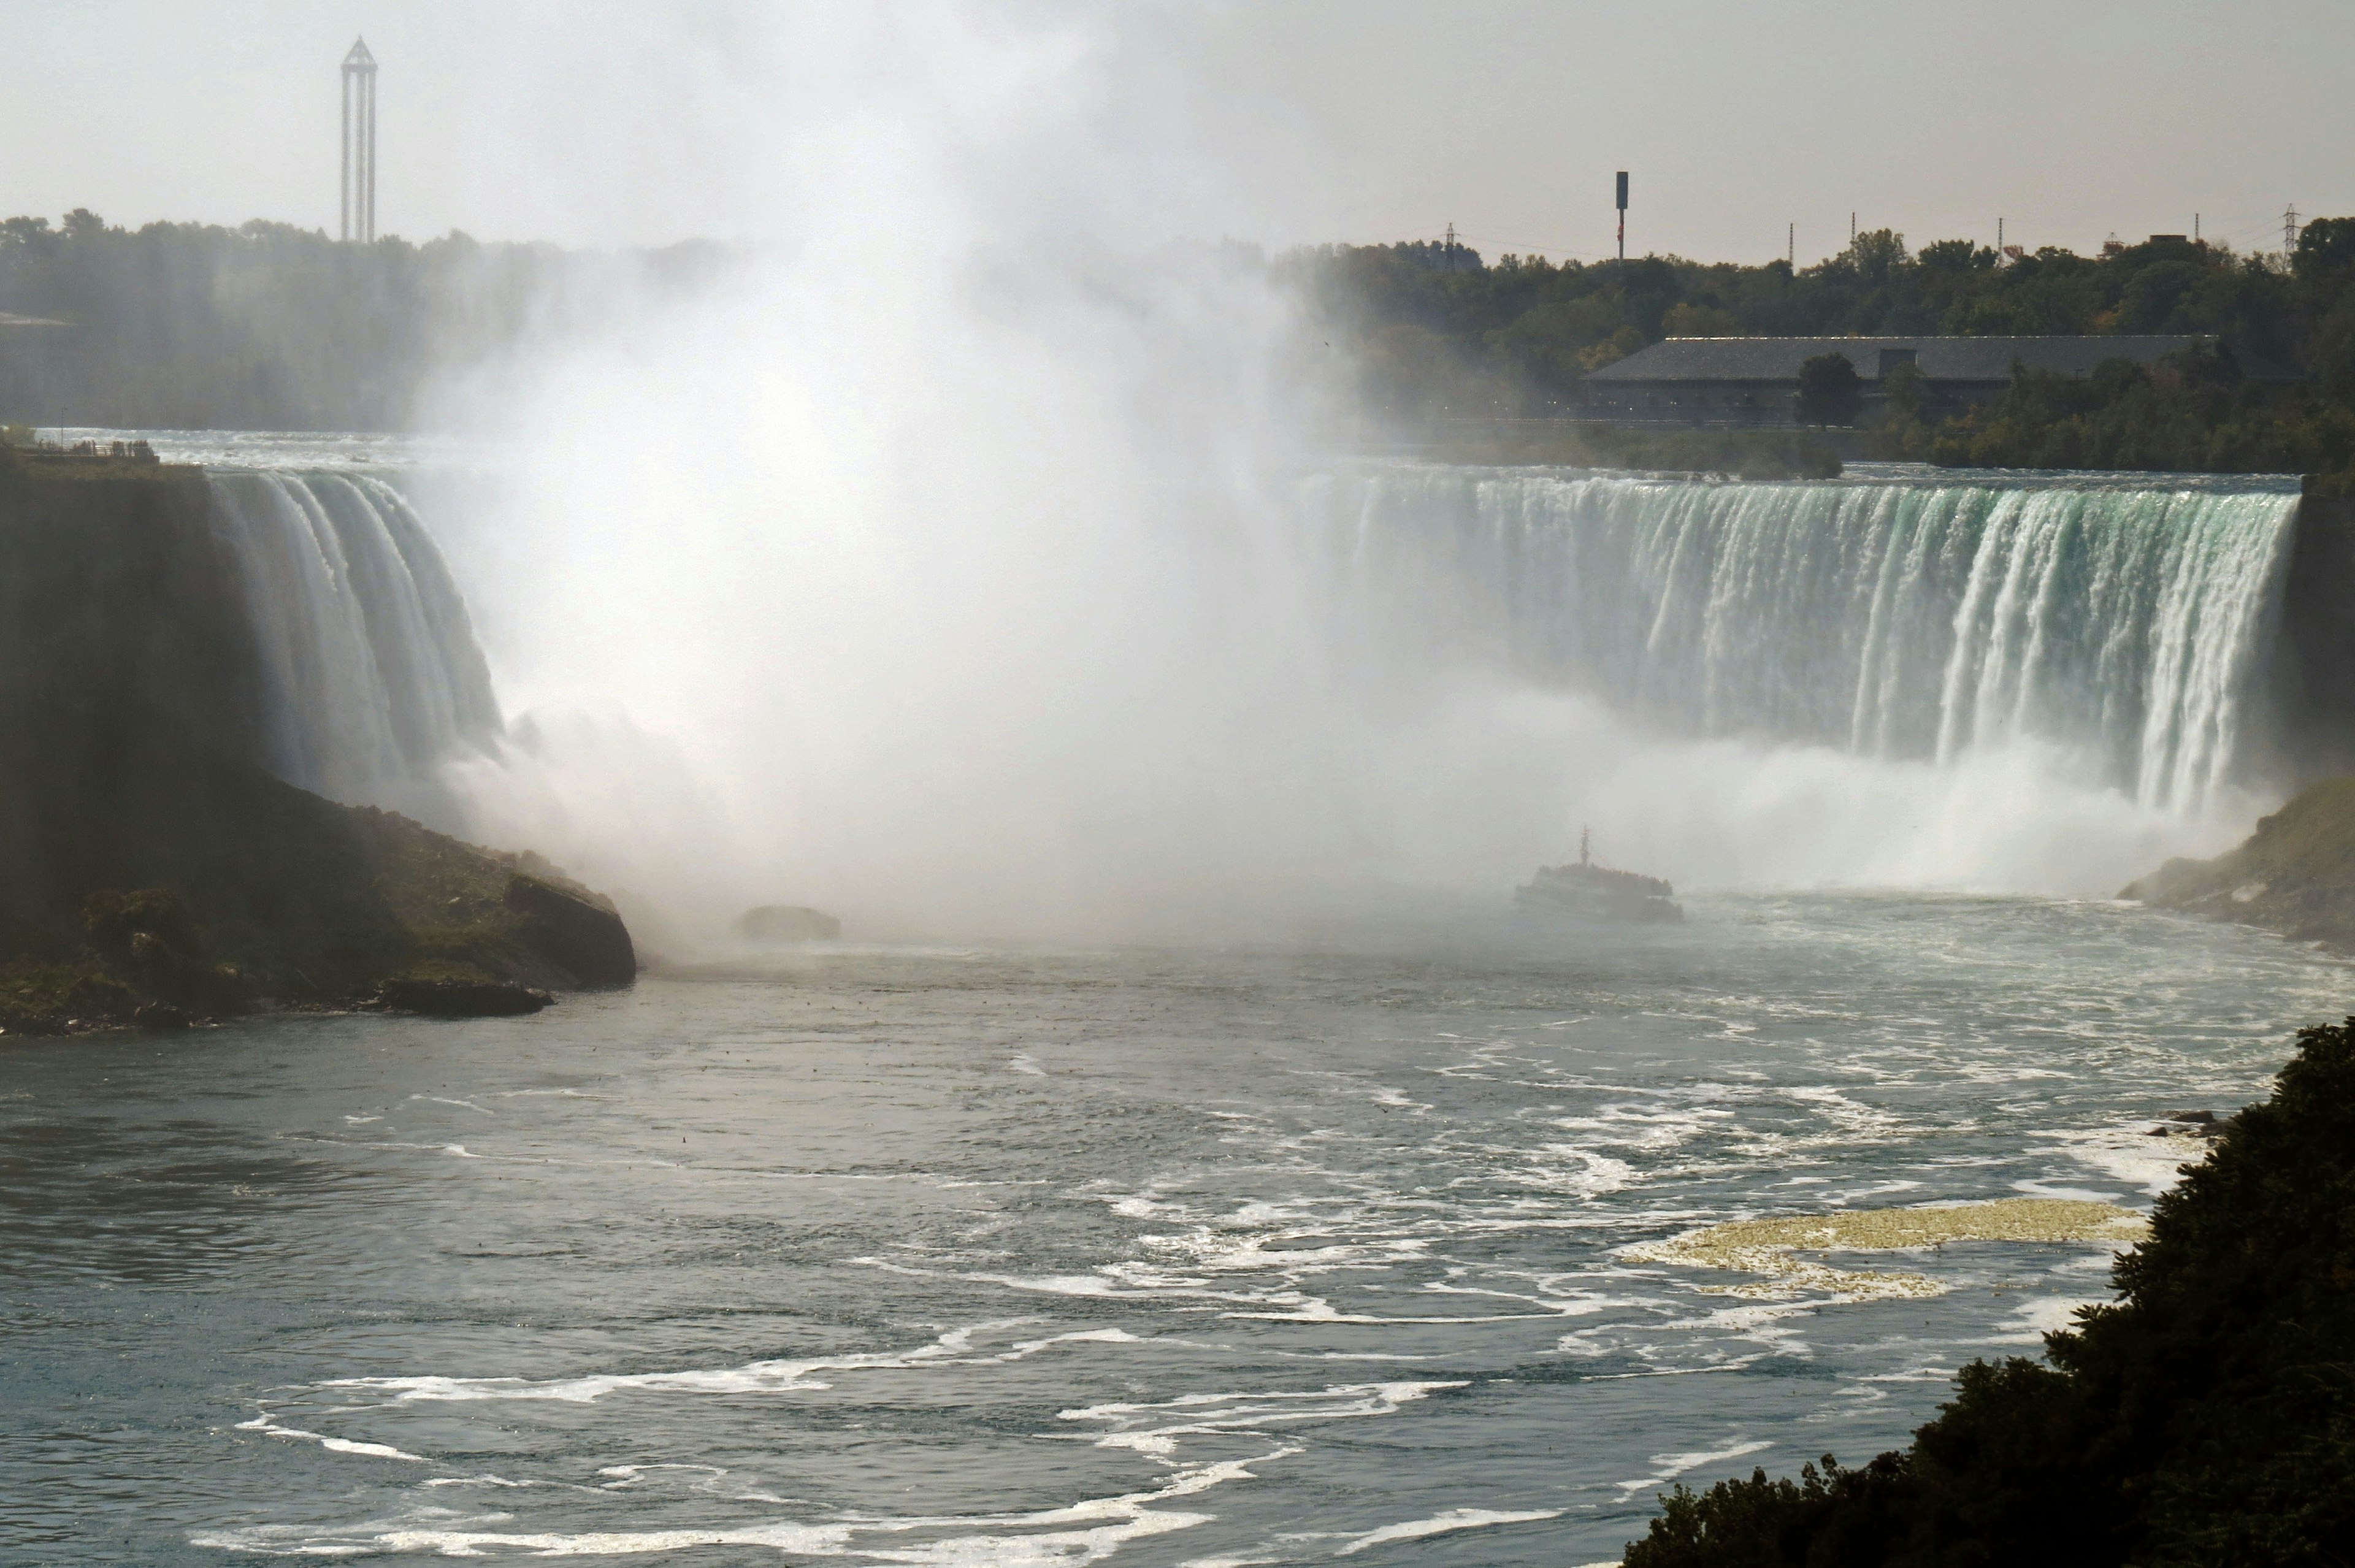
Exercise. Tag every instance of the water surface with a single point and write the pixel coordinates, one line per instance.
(967, 1256)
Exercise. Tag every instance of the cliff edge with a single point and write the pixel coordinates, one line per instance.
(150, 865)
(2294, 875)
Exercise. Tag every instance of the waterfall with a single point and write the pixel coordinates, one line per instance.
(369, 661)
(2131, 622)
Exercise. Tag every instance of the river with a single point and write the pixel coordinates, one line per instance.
(1029, 1255)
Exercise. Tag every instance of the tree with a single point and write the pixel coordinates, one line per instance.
(1829, 391)
(2204, 1420)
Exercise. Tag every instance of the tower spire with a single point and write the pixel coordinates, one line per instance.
(358, 212)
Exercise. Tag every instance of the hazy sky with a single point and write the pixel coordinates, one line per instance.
(1357, 120)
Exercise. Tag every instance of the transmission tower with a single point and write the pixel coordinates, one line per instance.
(359, 144)
(2289, 231)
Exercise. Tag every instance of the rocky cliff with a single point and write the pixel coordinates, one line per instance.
(145, 854)
(2294, 875)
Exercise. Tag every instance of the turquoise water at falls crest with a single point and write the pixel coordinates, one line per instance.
(2131, 622)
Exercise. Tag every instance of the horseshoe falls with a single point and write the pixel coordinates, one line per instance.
(2134, 625)
(370, 670)
(1905, 677)
(1151, 1254)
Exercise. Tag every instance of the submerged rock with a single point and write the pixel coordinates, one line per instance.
(787, 922)
(461, 998)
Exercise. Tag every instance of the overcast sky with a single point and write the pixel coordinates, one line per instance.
(1354, 120)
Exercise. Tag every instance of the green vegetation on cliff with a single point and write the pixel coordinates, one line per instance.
(2205, 1420)
(2294, 875)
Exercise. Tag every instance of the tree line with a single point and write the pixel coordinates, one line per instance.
(1437, 331)
(271, 326)
(268, 326)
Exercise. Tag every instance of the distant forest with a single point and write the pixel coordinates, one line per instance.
(1436, 332)
(267, 327)
(270, 326)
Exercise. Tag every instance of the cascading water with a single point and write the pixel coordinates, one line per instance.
(2131, 624)
(371, 672)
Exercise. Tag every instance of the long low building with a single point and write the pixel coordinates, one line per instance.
(1755, 380)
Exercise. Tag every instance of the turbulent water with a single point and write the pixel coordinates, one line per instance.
(1346, 1248)
(372, 671)
(995, 1256)
(2132, 621)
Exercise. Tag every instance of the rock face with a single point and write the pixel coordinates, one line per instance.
(787, 922)
(145, 854)
(460, 998)
(2294, 875)
(572, 929)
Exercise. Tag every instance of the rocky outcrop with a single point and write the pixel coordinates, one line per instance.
(2294, 875)
(572, 930)
(460, 998)
(148, 861)
(773, 923)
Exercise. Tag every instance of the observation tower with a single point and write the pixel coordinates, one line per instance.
(359, 144)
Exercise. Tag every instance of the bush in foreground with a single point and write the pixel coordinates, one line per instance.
(2206, 1418)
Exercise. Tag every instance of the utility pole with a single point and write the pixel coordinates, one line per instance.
(359, 144)
(1623, 217)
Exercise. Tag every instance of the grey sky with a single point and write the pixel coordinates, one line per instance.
(1357, 120)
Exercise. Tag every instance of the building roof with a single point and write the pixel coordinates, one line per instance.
(1939, 359)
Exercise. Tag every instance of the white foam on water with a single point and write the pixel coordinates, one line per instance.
(1038, 1539)
(490, 1480)
(1115, 1281)
(472, 1538)
(1452, 1520)
(445, 1100)
(1668, 1466)
(757, 1377)
(2130, 1154)
(332, 1445)
(1154, 1428)
(2044, 1315)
